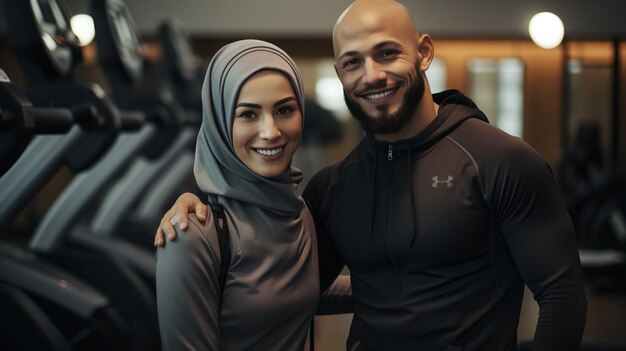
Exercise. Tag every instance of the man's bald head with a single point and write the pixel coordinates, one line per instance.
(368, 16)
(381, 60)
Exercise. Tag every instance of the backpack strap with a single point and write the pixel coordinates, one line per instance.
(224, 240)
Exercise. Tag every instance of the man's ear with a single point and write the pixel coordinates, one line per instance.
(426, 49)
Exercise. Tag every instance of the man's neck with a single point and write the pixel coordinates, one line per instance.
(424, 114)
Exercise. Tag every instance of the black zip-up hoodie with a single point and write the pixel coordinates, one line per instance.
(441, 232)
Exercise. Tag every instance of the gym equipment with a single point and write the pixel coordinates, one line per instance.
(595, 196)
(181, 73)
(44, 307)
(103, 263)
(20, 121)
(174, 143)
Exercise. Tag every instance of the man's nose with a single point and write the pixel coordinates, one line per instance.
(373, 72)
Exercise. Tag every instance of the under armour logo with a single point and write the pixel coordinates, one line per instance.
(448, 182)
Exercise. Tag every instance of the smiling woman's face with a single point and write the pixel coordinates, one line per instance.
(268, 123)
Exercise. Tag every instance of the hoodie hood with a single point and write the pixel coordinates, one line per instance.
(454, 109)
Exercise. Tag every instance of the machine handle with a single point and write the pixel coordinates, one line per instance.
(87, 116)
(131, 120)
(49, 120)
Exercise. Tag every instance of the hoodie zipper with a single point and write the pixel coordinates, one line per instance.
(394, 265)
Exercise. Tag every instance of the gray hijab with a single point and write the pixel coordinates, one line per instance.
(217, 169)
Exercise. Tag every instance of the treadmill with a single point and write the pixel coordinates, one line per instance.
(159, 171)
(104, 264)
(44, 307)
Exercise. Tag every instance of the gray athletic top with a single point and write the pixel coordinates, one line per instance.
(269, 298)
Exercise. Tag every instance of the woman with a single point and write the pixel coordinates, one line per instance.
(252, 121)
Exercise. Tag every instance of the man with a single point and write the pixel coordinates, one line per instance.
(440, 217)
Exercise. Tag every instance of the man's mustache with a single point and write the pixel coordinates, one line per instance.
(373, 88)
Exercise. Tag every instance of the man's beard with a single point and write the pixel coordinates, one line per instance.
(386, 123)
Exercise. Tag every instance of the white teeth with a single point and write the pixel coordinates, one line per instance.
(381, 95)
(272, 152)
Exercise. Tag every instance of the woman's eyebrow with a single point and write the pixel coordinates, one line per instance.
(246, 104)
(282, 101)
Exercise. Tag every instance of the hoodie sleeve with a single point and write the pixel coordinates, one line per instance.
(188, 291)
(540, 236)
(330, 262)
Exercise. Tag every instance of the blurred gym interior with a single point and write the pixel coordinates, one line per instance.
(89, 124)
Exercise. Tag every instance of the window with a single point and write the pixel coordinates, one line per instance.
(497, 87)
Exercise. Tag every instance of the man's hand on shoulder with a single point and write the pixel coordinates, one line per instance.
(178, 214)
